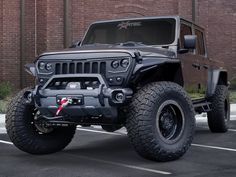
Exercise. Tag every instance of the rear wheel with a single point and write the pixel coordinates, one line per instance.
(219, 116)
(31, 137)
(161, 122)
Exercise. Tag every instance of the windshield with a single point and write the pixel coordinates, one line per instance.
(148, 32)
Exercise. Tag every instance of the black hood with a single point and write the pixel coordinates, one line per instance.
(145, 51)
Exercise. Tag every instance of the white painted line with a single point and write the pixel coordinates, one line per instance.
(214, 147)
(136, 167)
(146, 169)
(204, 119)
(99, 131)
(125, 165)
(197, 145)
(6, 142)
(114, 163)
(206, 127)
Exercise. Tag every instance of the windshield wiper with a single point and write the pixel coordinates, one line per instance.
(130, 43)
(127, 44)
(95, 44)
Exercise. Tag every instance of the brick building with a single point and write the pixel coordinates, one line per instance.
(30, 27)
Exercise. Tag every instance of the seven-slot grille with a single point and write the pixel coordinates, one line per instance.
(98, 67)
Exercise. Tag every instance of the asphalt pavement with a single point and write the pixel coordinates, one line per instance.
(95, 153)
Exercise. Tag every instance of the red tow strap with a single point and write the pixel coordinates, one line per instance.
(63, 103)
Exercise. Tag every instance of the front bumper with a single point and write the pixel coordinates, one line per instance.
(101, 102)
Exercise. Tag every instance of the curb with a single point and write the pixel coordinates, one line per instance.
(2, 118)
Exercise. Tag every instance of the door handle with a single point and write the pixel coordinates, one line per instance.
(196, 65)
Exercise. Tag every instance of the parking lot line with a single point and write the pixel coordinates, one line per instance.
(125, 165)
(193, 144)
(6, 142)
(120, 134)
(124, 133)
(206, 127)
(133, 166)
(99, 131)
(114, 163)
(214, 147)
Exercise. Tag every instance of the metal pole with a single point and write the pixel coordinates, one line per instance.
(35, 28)
(193, 10)
(22, 40)
(67, 23)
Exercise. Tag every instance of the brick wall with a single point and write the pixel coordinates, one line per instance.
(85, 12)
(41, 26)
(185, 9)
(218, 17)
(10, 69)
(29, 37)
(49, 25)
(54, 24)
(1, 35)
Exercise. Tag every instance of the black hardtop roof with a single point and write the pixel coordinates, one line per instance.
(136, 18)
(146, 18)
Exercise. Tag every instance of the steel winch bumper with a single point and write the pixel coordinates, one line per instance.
(93, 103)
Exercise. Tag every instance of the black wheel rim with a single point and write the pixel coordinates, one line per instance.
(170, 121)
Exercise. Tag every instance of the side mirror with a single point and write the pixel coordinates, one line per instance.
(30, 68)
(190, 42)
(75, 44)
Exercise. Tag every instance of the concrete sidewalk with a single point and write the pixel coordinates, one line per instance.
(2, 123)
(233, 109)
(2, 119)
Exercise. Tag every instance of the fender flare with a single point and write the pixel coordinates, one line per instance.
(150, 63)
(158, 65)
(216, 77)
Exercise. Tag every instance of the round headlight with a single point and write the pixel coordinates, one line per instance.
(115, 64)
(49, 66)
(42, 65)
(125, 63)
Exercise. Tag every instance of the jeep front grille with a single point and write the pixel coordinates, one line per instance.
(98, 67)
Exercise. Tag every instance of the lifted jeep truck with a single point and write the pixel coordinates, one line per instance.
(151, 75)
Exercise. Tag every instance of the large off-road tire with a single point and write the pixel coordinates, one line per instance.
(24, 134)
(161, 121)
(219, 116)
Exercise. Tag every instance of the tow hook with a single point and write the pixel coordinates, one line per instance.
(63, 103)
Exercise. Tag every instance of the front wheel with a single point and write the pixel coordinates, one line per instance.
(30, 137)
(161, 122)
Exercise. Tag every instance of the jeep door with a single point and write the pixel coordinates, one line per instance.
(201, 54)
(190, 63)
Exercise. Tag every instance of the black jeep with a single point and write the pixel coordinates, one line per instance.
(151, 75)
